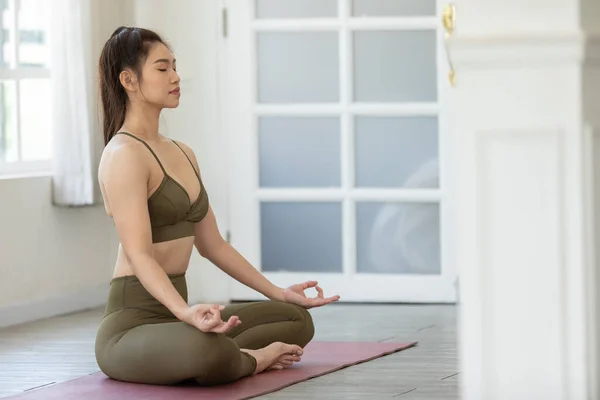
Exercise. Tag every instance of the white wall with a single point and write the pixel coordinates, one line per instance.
(191, 28)
(526, 90)
(53, 260)
(57, 260)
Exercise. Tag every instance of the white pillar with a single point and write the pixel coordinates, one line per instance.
(526, 129)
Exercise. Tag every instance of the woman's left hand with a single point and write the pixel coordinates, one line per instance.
(295, 294)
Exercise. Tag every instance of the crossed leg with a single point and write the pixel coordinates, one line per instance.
(270, 321)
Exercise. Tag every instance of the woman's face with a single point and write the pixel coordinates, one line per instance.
(159, 85)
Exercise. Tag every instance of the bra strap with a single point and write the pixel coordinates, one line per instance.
(149, 148)
(186, 156)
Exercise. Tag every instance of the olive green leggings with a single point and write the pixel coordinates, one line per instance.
(139, 340)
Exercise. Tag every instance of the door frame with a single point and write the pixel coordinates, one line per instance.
(243, 221)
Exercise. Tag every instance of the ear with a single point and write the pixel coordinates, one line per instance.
(129, 80)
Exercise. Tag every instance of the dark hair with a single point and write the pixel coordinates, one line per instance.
(127, 48)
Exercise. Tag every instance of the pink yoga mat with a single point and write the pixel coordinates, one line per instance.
(319, 358)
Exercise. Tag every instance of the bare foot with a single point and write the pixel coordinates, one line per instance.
(285, 361)
(277, 355)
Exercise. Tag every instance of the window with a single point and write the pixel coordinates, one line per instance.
(25, 105)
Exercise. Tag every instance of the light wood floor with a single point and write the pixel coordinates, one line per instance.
(58, 349)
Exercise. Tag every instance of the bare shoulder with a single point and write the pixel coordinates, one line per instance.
(123, 167)
(123, 175)
(121, 156)
(189, 152)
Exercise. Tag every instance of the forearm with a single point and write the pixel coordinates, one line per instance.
(156, 281)
(230, 261)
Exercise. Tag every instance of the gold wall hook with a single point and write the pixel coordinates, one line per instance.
(449, 21)
(449, 18)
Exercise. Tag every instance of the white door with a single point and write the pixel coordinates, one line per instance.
(334, 116)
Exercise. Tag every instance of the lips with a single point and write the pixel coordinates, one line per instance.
(175, 91)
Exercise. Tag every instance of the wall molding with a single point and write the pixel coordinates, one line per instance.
(491, 148)
(60, 305)
(592, 193)
(517, 51)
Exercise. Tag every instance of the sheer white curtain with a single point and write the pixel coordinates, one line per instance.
(72, 129)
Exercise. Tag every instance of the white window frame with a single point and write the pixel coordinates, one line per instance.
(16, 74)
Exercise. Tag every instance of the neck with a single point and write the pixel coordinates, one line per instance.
(142, 119)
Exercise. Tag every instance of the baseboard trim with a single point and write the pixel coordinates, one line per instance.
(46, 308)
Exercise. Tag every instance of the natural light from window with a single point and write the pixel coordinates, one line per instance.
(25, 105)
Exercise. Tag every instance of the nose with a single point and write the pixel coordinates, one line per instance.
(175, 77)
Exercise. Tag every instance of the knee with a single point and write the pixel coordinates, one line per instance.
(217, 362)
(306, 330)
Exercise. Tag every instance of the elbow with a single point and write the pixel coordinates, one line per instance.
(210, 250)
(137, 259)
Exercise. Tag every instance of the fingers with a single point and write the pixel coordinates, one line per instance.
(227, 326)
(209, 309)
(302, 300)
(214, 319)
(214, 307)
(330, 299)
(207, 323)
(309, 284)
(319, 291)
(216, 312)
(318, 302)
(321, 297)
(234, 321)
(210, 318)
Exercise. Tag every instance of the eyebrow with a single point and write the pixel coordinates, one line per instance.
(164, 60)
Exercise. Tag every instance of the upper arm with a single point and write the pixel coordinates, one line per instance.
(124, 180)
(207, 235)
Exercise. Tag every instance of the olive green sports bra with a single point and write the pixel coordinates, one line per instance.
(172, 213)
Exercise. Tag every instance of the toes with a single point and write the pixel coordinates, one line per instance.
(288, 360)
(291, 358)
(295, 349)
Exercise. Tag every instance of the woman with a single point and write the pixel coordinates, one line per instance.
(153, 190)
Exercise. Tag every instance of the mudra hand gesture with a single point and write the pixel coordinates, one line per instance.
(295, 294)
(207, 318)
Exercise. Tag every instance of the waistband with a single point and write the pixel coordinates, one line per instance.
(127, 292)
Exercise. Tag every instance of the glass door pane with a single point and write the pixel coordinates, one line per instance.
(396, 152)
(395, 66)
(298, 236)
(398, 238)
(299, 152)
(296, 8)
(297, 67)
(393, 8)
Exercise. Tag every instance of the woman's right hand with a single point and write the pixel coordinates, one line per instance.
(207, 318)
